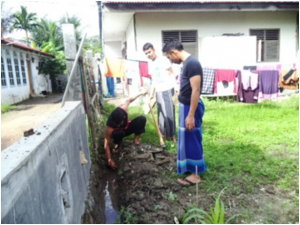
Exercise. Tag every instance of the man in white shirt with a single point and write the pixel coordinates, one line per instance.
(163, 82)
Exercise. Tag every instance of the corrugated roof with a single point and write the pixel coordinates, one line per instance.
(24, 47)
(189, 1)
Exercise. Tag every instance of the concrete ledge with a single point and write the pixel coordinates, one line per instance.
(42, 178)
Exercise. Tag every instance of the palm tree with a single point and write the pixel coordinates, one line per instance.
(73, 20)
(24, 21)
(47, 32)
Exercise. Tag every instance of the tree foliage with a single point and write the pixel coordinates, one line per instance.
(92, 43)
(24, 21)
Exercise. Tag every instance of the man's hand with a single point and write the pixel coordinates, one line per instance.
(144, 92)
(112, 164)
(190, 122)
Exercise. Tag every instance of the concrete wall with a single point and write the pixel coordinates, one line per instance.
(149, 27)
(42, 178)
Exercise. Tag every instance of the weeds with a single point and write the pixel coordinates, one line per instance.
(215, 216)
(125, 216)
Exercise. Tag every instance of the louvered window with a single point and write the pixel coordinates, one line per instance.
(23, 69)
(187, 38)
(267, 44)
(10, 68)
(3, 78)
(17, 70)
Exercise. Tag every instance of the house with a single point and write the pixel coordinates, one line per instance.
(19, 75)
(218, 33)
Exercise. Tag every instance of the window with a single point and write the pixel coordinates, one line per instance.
(3, 78)
(23, 69)
(187, 38)
(267, 44)
(9, 68)
(17, 69)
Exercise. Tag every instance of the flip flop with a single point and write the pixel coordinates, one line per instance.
(188, 181)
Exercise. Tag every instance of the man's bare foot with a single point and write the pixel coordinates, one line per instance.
(174, 140)
(136, 140)
(190, 180)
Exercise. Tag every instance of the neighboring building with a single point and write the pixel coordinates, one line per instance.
(19, 75)
(219, 33)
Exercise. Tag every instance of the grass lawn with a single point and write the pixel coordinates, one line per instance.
(255, 145)
(5, 108)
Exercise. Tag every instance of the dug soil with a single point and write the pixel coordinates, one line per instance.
(144, 190)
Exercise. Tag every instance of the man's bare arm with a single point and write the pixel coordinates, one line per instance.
(195, 84)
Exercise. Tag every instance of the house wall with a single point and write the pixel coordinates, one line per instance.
(113, 48)
(11, 94)
(149, 27)
(130, 40)
(41, 82)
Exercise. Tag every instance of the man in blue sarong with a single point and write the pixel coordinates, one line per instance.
(191, 109)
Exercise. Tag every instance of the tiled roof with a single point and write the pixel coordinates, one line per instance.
(191, 1)
(24, 47)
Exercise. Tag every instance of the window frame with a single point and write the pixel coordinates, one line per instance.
(264, 52)
(184, 43)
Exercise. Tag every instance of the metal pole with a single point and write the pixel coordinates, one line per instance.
(73, 69)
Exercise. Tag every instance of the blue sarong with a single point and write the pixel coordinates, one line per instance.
(190, 150)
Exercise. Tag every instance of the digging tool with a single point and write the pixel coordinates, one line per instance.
(161, 140)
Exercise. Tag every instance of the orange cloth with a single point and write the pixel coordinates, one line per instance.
(289, 79)
(114, 67)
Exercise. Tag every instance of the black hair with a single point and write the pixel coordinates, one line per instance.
(117, 116)
(172, 43)
(147, 46)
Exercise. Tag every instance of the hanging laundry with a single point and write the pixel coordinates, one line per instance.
(289, 79)
(268, 84)
(250, 68)
(111, 87)
(114, 67)
(225, 82)
(144, 71)
(248, 87)
(269, 67)
(208, 81)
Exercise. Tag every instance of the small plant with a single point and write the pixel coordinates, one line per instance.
(172, 197)
(125, 216)
(157, 207)
(215, 216)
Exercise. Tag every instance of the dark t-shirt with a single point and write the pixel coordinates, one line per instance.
(191, 67)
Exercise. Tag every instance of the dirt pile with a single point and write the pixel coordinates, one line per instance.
(148, 187)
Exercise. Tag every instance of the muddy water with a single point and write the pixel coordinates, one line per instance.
(111, 198)
(102, 201)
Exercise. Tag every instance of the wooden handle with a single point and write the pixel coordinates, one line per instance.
(161, 140)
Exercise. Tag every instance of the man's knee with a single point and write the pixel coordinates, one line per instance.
(143, 120)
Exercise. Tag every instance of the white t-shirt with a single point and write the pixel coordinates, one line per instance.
(161, 78)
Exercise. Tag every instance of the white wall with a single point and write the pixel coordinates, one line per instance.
(130, 39)
(11, 94)
(227, 52)
(113, 48)
(149, 27)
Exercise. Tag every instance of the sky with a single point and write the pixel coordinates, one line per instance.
(86, 10)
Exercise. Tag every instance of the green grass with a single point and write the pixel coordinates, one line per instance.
(255, 144)
(5, 108)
